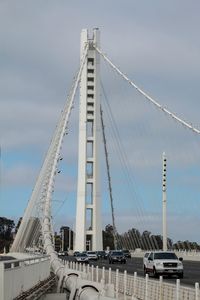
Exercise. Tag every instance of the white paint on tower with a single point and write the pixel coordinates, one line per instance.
(88, 212)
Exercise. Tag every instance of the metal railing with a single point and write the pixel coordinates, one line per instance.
(135, 287)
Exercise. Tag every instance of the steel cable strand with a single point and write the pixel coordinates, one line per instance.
(143, 158)
(47, 208)
(116, 135)
(123, 159)
(149, 98)
(42, 180)
(194, 130)
(109, 179)
(128, 178)
(40, 185)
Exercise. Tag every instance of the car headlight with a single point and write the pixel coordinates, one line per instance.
(158, 264)
(180, 264)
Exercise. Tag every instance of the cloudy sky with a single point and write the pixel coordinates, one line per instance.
(156, 44)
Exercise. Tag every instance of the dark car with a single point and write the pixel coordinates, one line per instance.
(63, 253)
(117, 256)
(101, 254)
(127, 253)
(82, 258)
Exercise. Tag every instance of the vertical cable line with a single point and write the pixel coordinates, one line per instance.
(46, 179)
(57, 266)
(124, 162)
(109, 179)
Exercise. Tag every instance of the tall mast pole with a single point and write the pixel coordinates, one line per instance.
(164, 201)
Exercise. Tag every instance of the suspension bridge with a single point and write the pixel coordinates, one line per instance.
(41, 272)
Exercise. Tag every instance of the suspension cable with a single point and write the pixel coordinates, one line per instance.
(125, 163)
(109, 179)
(149, 98)
(58, 144)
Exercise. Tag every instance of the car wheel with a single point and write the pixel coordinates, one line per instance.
(180, 275)
(155, 274)
(145, 271)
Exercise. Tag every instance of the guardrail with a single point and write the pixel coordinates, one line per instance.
(17, 276)
(135, 287)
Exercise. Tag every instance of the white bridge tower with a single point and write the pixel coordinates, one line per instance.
(88, 212)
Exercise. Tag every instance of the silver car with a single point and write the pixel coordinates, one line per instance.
(92, 255)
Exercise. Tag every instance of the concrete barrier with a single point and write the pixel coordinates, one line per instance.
(17, 276)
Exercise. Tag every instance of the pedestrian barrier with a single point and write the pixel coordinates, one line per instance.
(18, 276)
(136, 287)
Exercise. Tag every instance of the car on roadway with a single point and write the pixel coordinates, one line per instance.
(145, 259)
(101, 254)
(127, 253)
(117, 256)
(75, 253)
(92, 255)
(62, 253)
(163, 263)
(82, 258)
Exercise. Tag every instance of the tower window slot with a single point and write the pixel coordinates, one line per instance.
(91, 61)
(89, 215)
(89, 149)
(91, 79)
(91, 96)
(91, 71)
(90, 105)
(90, 128)
(89, 169)
(90, 113)
(89, 193)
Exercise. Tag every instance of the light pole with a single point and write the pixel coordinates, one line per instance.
(164, 202)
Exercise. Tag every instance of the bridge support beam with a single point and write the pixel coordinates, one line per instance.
(88, 213)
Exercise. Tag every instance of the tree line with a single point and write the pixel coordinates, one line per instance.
(132, 239)
(6, 233)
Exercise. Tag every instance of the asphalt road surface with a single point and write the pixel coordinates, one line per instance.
(135, 264)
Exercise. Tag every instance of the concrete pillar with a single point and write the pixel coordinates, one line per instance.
(88, 212)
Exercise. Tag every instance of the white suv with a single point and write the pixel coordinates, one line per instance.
(163, 263)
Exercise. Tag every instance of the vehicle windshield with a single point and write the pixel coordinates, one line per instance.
(165, 255)
(81, 254)
(118, 253)
(91, 252)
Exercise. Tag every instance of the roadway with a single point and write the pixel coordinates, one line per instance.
(135, 264)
